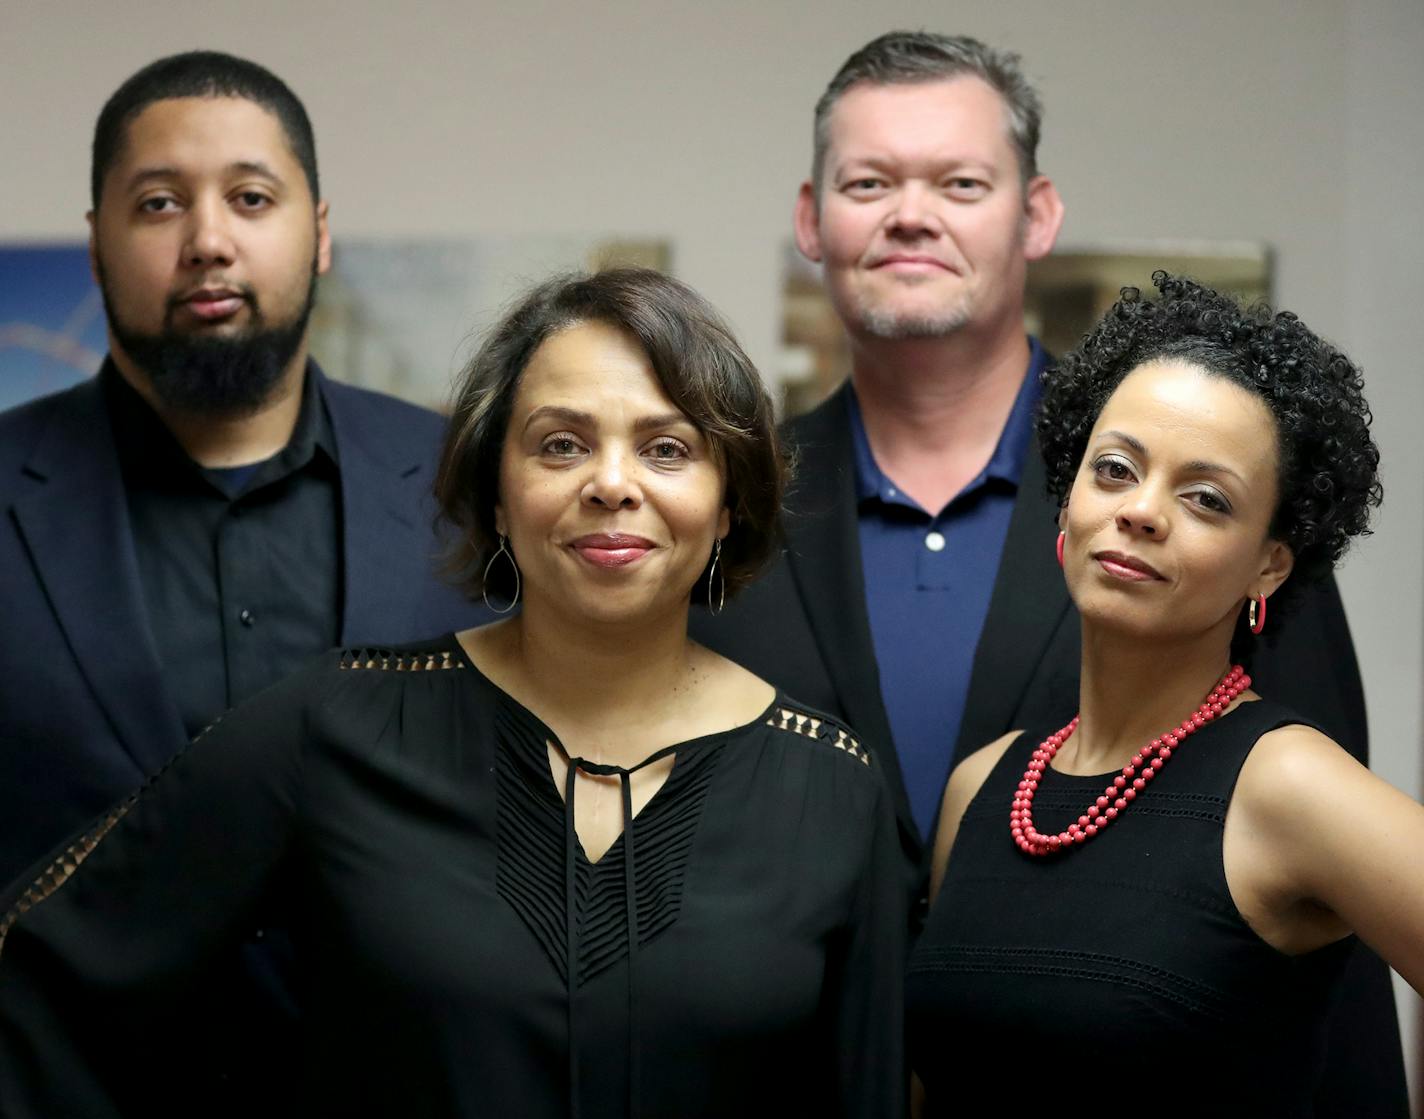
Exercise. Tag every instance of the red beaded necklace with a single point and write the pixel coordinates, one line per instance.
(1124, 787)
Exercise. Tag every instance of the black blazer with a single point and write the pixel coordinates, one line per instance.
(805, 628)
(85, 715)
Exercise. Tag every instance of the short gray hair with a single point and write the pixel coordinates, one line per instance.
(910, 57)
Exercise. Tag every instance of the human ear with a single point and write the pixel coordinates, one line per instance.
(323, 238)
(1278, 564)
(1043, 217)
(806, 220)
(93, 246)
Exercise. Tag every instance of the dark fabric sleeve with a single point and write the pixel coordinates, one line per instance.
(867, 981)
(104, 952)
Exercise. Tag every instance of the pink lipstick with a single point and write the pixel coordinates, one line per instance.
(1128, 568)
(612, 549)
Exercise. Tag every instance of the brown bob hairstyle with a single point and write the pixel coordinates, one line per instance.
(699, 365)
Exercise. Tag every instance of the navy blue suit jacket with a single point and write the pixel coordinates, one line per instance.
(85, 716)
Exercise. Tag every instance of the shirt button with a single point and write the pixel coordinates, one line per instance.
(249, 619)
(935, 542)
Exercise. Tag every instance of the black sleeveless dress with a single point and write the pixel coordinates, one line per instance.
(1117, 978)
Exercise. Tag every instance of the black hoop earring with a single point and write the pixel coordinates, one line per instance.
(507, 554)
(722, 588)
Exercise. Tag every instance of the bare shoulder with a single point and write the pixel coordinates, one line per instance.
(1294, 768)
(971, 773)
(964, 784)
(1293, 789)
(1323, 830)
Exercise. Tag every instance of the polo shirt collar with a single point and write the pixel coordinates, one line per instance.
(1005, 464)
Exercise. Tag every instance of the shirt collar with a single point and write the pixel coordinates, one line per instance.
(149, 450)
(1005, 464)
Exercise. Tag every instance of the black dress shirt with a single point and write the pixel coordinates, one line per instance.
(240, 568)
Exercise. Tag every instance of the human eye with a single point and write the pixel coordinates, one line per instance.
(1113, 468)
(667, 450)
(864, 186)
(561, 444)
(158, 204)
(966, 188)
(1212, 500)
(252, 199)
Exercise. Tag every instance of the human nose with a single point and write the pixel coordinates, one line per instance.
(209, 239)
(914, 212)
(612, 484)
(1141, 513)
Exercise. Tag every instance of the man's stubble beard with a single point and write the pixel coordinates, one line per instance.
(216, 377)
(891, 325)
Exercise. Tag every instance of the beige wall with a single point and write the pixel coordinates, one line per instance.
(1382, 290)
(1299, 122)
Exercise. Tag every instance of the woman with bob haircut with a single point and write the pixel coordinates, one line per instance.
(568, 864)
(1143, 908)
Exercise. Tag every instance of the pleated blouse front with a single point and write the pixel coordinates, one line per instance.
(737, 951)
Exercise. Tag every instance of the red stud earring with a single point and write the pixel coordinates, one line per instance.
(1061, 537)
(1256, 614)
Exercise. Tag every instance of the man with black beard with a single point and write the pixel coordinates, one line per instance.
(209, 511)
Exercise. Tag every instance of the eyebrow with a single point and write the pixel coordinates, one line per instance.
(1195, 466)
(576, 418)
(1136, 444)
(1202, 466)
(880, 161)
(243, 166)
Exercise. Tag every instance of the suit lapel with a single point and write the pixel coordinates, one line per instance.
(823, 553)
(1027, 606)
(379, 505)
(75, 524)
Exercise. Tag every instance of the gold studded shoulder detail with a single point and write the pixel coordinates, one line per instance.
(398, 660)
(818, 727)
(58, 872)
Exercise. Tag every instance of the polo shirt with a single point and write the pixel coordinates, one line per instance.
(928, 580)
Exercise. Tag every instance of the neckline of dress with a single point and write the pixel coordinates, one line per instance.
(527, 716)
(1108, 775)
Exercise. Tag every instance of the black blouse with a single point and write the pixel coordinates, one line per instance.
(460, 954)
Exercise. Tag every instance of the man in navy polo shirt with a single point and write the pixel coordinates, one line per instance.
(924, 207)
(919, 597)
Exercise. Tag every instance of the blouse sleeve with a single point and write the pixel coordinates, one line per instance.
(102, 943)
(868, 982)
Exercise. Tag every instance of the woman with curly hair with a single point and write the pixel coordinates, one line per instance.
(1144, 907)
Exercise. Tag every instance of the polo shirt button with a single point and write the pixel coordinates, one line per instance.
(249, 619)
(935, 542)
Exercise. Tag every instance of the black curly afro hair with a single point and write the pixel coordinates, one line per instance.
(1328, 462)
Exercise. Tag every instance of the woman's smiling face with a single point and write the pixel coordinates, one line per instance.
(1168, 521)
(611, 497)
